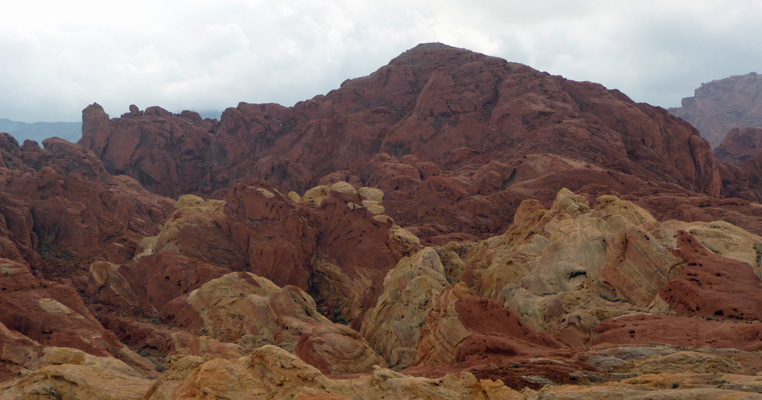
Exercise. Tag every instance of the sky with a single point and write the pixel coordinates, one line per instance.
(56, 57)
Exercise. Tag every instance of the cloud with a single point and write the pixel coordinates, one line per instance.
(209, 55)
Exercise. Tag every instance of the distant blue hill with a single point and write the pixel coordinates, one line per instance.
(39, 131)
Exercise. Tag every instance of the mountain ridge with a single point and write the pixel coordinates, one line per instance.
(435, 122)
(39, 131)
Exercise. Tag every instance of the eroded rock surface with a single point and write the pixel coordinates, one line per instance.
(165, 152)
(271, 373)
(66, 373)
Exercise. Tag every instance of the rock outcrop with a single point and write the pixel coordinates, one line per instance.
(339, 251)
(720, 106)
(253, 311)
(393, 326)
(567, 269)
(272, 373)
(740, 145)
(36, 314)
(165, 152)
(66, 373)
(59, 207)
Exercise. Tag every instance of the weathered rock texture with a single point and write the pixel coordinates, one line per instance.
(65, 373)
(720, 106)
(324, 242)
(253, 311)
(338, 251)
(569, 276)
(35, 314)
(272, 373)
(567, 269)
(410, 290)
(743, 149)
(59, 207)
(163, 151)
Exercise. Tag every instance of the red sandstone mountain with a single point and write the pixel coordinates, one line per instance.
(720, 106)
(456, 140)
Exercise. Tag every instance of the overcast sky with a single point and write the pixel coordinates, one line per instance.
(56, 57)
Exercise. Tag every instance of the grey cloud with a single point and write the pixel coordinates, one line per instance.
(206, 55)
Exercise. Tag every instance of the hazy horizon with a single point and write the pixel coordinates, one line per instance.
(207, 56)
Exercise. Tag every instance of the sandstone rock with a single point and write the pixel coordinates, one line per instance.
(195, 230)
(258, 229)
(661, 387)
(712, 285)
(371, 194)
(107, 281)
(679, 331)
(294, 197)
(393, 326)
(297, 245)
(444, 145)
(637, 266)
(337, 349)
(455, 140)
(461, 326)
(270, 372)
(60, 207)
(252, 311)
(71, 374)
(568, 268)
(344, 188)
(16, 350)
(373, 207)
(316, 195)
(653, 359)
(38, 314)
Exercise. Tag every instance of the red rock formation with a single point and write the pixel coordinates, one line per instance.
(444, 132)
(712, 285)
(680, 331)
(338, 251)
(483, 328)
(60, 206)
(37, 313)
(163, 151)
(740, 145)
(720, 106)
(459, 110)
